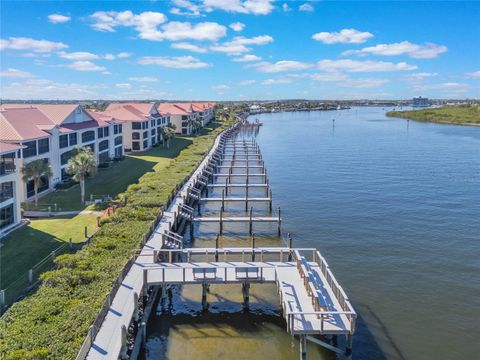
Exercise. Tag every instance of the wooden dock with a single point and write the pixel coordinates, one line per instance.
(312, 301)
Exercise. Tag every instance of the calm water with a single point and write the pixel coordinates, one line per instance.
(394, 206)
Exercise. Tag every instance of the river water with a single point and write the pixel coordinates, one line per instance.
(393, 205)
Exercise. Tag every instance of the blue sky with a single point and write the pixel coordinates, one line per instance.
(239, 49)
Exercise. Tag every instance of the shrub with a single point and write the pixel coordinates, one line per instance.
(53, 322)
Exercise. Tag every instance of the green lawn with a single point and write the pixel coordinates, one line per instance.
(460, 115)
(23, 248)
(114, 180)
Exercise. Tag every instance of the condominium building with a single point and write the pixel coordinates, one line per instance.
(142, 124)
(51, 132)
(9, 187)
(183, 115)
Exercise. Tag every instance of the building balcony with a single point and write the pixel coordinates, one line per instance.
(7, 168)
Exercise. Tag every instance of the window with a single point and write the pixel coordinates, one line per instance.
(106, 131)
(136, 136)
(152, 122)
(145, 134)
(153, 140)
(66, 156)
(103, 157)
(103, 145)
(99, 133)
(30, 150)
(31, 189)
(6, 191)
(136, 125)
(159, 121)
(118, 140)
(88, 136)
(184, 123)
(6, 216)
(102, 132)
(145, 144)
(144, 125)
(63, 141)
(72, 138)
(117, 129)
(184, 131)
(43, 146)
(135, 145)
(153, 131)
(7, 163)
(65, 175)
(118, 151)
(184, 117)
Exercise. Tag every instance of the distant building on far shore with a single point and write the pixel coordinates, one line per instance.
(420, 102)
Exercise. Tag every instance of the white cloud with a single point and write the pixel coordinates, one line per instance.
(450, 87)
(280, 66)
(237, 26)
(79, 55)
(306, 7)
(58, 18)
(417, 77)
(256, 40)
(474, 75)
(221, 87)
(143, 79)
(189, 47)
(256, 7)
(147, 23)
(175, 31)
(16, 73)
(83, 55)
(344, 80)
(191, 9)
(247, 82)
(282, 80)
(85, 66)
(426, 51)
(363, 66)
(345, 36)
(237, 45)
(230, 48)
(123, 86)
(247, 58)
(37, 46)
(180, 62)
(286, 8)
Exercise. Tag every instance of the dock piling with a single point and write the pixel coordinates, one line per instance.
(204, 296)
(250, 224)
(303, 347)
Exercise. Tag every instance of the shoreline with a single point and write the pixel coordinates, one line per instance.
(430, 121)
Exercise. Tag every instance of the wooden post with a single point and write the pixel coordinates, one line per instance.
(191, 231)
(253, 247)
(204, 296)
(246, 295)
(279, 222)
(349, 343)
(303, 347)
(86, 231)
(221, 222)
(135, 306)
(290, 243)
(216, 247)
(144, 333)
(145, 285)
(70, 243)
(223, 200)
(250, 230)
(270, 201)
(123, 349)
(226, 186)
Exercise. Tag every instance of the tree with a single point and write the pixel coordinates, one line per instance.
(168, 132)
(36, 170)
(82, 165)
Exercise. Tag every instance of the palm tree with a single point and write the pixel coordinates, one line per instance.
(168, 132)
(197, 125)
(82, 165)
(36, 170)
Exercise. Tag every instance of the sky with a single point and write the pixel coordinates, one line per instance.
(239, 50)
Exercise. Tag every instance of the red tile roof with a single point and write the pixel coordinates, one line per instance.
(57, 113)
(7, 147)
(19, 124)
(130, 111)
(184, 108)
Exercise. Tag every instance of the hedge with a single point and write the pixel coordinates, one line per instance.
(53, 322)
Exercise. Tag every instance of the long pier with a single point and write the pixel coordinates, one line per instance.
(313, 303)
